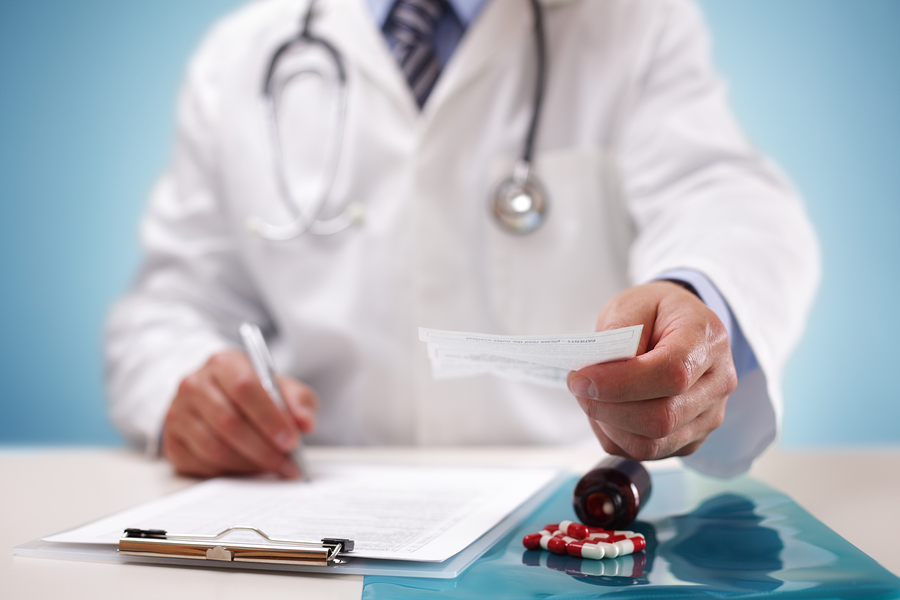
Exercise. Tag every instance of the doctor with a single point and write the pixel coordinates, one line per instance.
(656, 211)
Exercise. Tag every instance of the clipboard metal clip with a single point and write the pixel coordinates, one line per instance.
(159, 543)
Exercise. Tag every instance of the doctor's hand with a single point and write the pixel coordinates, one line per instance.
(223, 421)
(672, 395)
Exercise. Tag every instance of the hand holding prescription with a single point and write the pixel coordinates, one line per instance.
(223, 421)
(672, 395)
(539, 359)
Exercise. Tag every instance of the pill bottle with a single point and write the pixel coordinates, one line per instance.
(611, 494)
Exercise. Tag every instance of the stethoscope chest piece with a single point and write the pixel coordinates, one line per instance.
(520, 202)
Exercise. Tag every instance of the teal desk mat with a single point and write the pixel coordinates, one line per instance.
(707, 538)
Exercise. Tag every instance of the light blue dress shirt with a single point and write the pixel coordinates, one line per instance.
(741, 352)
(446, 37)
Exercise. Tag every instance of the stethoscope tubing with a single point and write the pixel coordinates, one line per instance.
(307, 221)
(541, 80)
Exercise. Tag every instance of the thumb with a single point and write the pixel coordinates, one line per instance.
(301, 401)
(634, 306)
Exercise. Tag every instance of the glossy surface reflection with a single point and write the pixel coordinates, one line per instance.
(705, 538)
(721, 544)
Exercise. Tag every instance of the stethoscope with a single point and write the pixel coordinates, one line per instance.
(519, 204)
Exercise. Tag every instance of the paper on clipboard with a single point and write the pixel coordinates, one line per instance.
(396, 513)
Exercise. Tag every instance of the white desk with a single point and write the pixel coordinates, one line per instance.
(56, 489)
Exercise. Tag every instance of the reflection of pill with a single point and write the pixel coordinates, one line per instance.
(575, 530)
(625, 567)
(640, 560)
(614, 567)
(596, 568)
(532, 558)
(558, 562)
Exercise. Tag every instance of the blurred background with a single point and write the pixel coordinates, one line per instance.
(87, 92)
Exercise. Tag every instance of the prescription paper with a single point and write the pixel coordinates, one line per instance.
(539, 359)
(390, 512)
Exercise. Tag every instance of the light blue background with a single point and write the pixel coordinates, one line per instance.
(87, 92)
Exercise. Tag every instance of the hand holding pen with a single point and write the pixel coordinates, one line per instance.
(222, 421)
(259, 354)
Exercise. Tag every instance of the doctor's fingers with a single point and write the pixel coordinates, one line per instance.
(678, 362)
(680, 443)
(659, 418)
(233, 373)
(199, 454)
(302, 401)
(203, 410)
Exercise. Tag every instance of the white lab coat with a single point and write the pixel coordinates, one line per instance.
(645, 169)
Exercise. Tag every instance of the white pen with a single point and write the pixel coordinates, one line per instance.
(264, 366)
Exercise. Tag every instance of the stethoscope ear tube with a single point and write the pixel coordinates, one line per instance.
(519, 204)
(306, 221)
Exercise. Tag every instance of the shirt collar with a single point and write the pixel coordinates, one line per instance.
(466, 10)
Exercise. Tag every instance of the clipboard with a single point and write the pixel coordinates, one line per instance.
(160, 543)
(151, 550)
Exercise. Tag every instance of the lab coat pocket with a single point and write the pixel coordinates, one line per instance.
(556, 279)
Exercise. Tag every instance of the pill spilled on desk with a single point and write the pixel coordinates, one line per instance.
(584, 541)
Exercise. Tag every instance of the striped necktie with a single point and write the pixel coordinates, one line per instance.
(410, 32)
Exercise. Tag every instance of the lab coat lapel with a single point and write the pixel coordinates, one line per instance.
(350, 27)
(501, 23)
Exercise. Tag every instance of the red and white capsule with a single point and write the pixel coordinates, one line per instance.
(597, 550)
(545, 540)
(533, 541)
(582, 541)
(631, 545)
(558, 544)
(575, 530)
